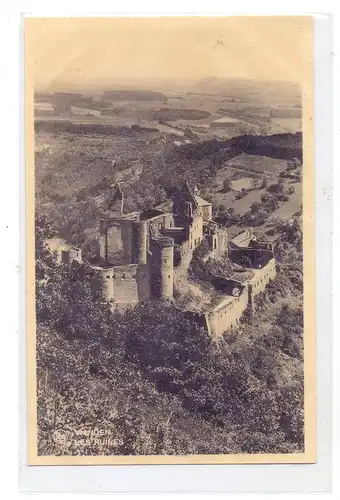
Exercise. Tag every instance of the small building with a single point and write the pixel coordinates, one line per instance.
(68, 254)
(204, 208)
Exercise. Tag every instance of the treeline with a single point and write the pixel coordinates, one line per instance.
(68, 126)
(286, 146)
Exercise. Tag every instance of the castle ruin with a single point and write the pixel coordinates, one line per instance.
(143, 253)
(140, 251)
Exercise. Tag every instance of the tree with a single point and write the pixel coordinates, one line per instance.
(81, 195)
(43, 256)
(255, 207)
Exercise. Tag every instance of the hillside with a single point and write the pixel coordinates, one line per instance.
(165, 388)
(75, 163)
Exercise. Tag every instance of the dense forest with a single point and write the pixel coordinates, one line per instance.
(154, 379)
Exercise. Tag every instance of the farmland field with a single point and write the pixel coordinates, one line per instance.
(260, 164)
(288, 124)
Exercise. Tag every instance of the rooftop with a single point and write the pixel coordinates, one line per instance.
(150, 214)
(242, 276)
(200, 202)
(242, 239)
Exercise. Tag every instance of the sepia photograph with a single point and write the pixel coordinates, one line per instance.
(170, 271)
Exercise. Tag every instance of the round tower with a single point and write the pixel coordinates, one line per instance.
(142, 234)
(166, 262)
(107, 281)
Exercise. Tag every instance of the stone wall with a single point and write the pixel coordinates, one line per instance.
(116, 241)
(227, 314)
(185, 257)
(230, 309)
(128, 284)
(205, 211)
(196, 232)
(158, 223)
(262, 277)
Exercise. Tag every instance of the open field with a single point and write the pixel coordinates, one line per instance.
(142, 144)
(291, 207)
(183, 109)
(257, 164)
(244, 171)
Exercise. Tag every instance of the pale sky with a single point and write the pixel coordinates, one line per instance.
(102, 50)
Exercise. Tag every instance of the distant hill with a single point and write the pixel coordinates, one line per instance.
(134, 95)
(261, 91)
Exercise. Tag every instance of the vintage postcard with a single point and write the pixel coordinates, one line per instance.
(170, 240)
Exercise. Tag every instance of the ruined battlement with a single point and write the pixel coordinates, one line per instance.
(142, 253)
(165, 242)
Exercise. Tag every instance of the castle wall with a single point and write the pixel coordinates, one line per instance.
(179, 234)
(162, 267)
(205, 211)
(128, 284)
(117, 241)
(222, 241)
(262, 277)
(227, 314)
(183, 263)
(102, 246)
(125, 290)
(140, 241)
(115, 246)
(196, 232)
(107, 282)
(160, 222)
(143, 283)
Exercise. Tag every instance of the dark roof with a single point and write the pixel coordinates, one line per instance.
(150, 214)
(242, 276)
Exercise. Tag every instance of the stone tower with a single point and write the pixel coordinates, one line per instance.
(141, 242)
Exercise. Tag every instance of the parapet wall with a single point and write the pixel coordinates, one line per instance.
(262, 277)
(228, 312)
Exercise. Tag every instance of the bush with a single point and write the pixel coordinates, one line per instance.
(226, 185)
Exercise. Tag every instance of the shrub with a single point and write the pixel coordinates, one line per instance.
(226, 185)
